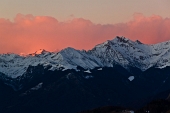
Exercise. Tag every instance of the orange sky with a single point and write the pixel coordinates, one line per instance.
(28, 33)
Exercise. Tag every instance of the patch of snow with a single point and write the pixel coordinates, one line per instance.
(164, 66)
(53, 68)
(99, 69)
(68, 76)
(37, 86)
(64, 69)
(87, 77)
(88, 71)
(131, 78)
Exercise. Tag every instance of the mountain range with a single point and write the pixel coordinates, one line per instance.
(118, 72)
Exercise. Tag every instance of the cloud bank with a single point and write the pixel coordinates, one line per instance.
(28, 33)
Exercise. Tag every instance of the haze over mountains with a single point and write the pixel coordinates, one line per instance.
(118, 72)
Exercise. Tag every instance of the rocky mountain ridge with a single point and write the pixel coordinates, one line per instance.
(119, 51)
(118, 72)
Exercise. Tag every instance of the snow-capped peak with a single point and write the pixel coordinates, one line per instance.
(121, 39)
(137, 41)
(40, 51)
(120, 51)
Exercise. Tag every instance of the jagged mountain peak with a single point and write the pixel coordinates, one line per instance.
(9, 56)
(38, 52)
(68, 49)
(120, 51)
(104, 44)
(116, 40)
(121, 39)
(125, 40)
(139, 42)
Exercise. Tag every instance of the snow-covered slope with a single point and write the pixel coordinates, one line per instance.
(120, 50)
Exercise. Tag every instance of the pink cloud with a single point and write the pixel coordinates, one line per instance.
(28, 33)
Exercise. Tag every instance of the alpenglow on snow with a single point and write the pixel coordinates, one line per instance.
(120, 51)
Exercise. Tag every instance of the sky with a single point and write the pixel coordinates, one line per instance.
(30, 25)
